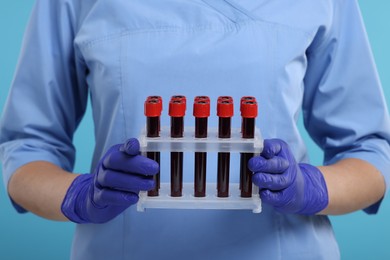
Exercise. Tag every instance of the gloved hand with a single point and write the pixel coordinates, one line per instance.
(288, 186)
(112, 187)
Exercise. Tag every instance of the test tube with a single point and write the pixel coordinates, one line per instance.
(152, 111)
(159, 101)
(225, 113)
(201, 113)
(243, 99)
(177, 107)
(248, 113)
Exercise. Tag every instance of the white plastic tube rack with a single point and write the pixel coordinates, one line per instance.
(188, 143)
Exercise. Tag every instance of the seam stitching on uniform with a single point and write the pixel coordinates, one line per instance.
(126, 32)
(226, 28)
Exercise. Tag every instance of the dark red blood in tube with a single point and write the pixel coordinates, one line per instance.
(157, 99)
(249, 112)
(152, 111)
(225, 113)
(177, 107)
(201, 113)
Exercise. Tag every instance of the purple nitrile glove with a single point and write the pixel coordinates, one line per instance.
(114, 185)
(288, 186)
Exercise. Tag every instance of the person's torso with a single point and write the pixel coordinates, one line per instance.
(134, 49)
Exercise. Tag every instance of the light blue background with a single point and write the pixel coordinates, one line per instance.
(29, 237)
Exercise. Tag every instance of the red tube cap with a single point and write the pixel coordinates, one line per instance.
(157, 99)
(152, 107)
(246, 98)
(179, 97)
(225, 98)
(201, 108)
(202, 98)
(225, 107)
(249, 109)
(177, 108)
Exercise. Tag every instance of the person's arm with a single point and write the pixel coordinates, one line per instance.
(299, 188)
(40, 188)
(46, 102)
(352, 184)
(50, 192)
(345, 112)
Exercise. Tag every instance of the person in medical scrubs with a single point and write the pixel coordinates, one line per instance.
(298, 58)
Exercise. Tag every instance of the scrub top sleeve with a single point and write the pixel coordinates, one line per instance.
(48, 95)
(344, 109)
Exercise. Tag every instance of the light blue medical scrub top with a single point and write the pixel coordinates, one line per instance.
(309, 57)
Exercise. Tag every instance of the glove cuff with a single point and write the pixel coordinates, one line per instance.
(316, 196)
(77, 189)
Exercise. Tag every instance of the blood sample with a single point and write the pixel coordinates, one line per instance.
(243, 99)
(177, 107)
(248, 114)
(157, 99)
(201, 113)
(224, 112)
(152, 111)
